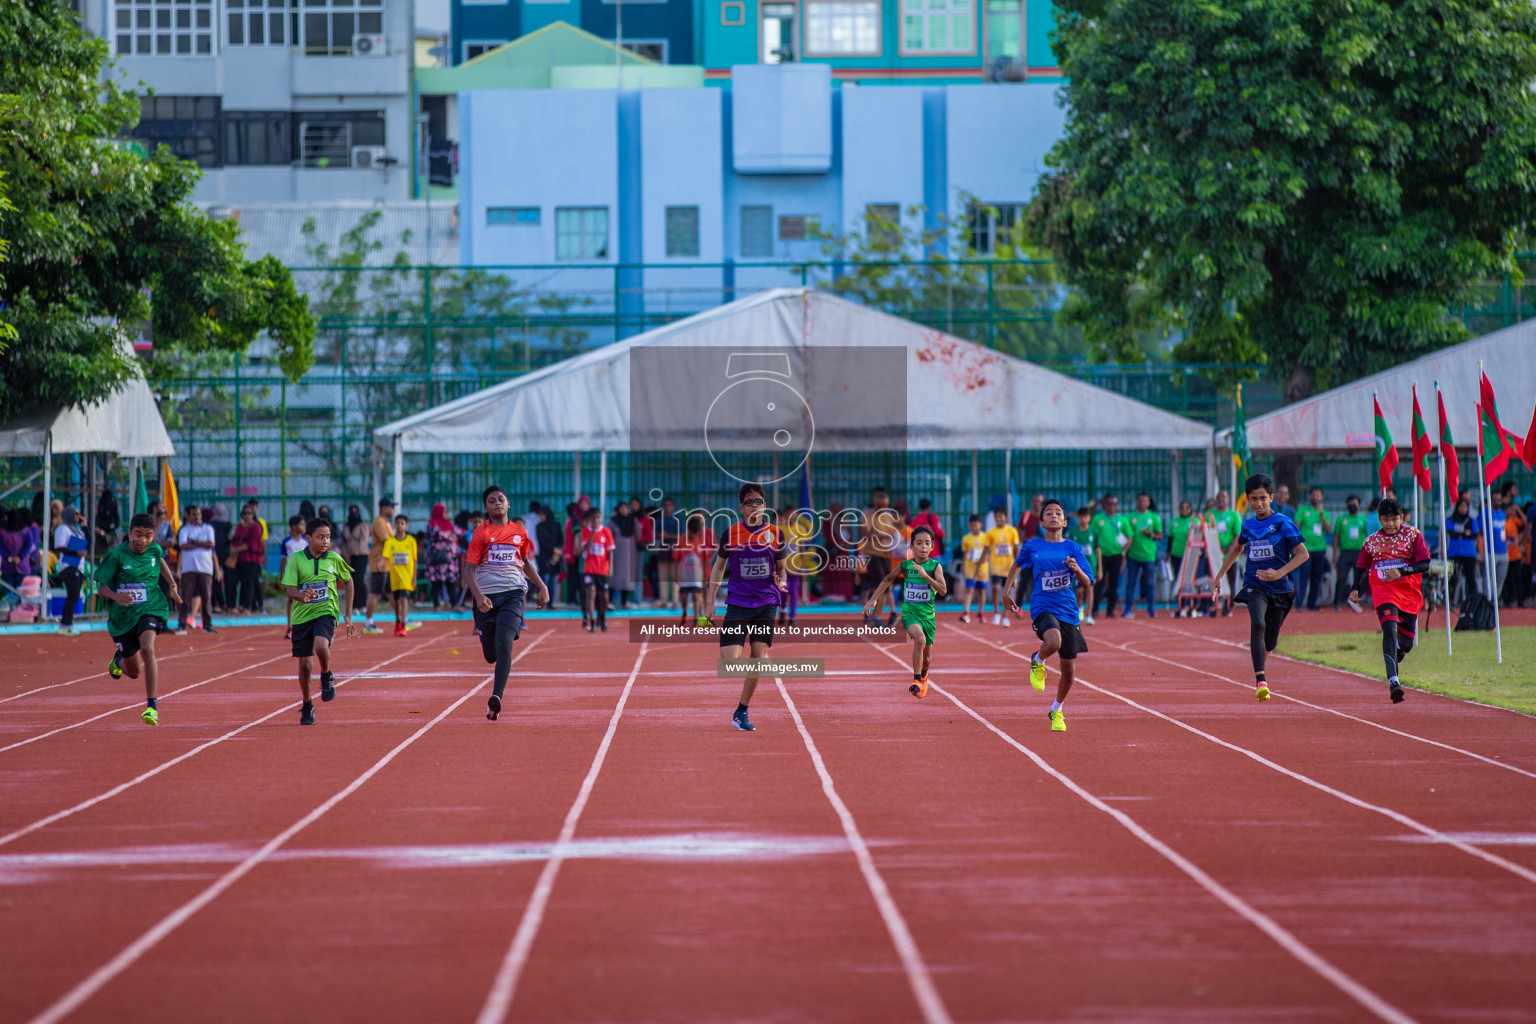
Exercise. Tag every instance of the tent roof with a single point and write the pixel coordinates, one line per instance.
(125, 423)
(959, 394)
(1342, 420)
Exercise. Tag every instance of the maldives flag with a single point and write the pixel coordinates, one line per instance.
(1498, 445)
(1448, 452)
(1528, 450)
(1386, 451)
(1423, 447)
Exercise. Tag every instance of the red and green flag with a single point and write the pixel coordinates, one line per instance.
(1498, 445)
(1386, 451)
(1448, 452)
(1423, 447)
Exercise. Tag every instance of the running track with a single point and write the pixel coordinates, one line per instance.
(611, 851)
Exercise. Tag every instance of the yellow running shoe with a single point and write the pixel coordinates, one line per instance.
(1058, 722)
(1262, 693)
(919, 689)
(151, 716)
(115, 666)
(1037, 675)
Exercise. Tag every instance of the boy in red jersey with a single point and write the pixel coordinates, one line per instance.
(595, 547)
(496, 574)
(1394, 560)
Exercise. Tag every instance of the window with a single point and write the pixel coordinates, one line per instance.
(189, 125)
(937, 26)
(480, 47)
(261, 22)
(258, 138)
(733, 12)
(163, 28)
(882, 226)
(796, 228)
(991, 224)
(328, 140)
(581, 232)
(504, 215)
(778, 33)
(682, 231)
(756, 231)
(650, 49)
(330, 25)
(842, 28)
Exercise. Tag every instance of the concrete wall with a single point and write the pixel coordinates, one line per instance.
(993, 164)
(674, 175)
(882, 153)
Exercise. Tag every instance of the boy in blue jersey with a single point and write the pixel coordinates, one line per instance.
(1275, 549)
(1057, 566)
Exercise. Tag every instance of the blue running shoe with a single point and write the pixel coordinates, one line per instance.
(742, 722)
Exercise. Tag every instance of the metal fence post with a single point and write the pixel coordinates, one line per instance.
(426, 318)
(991, 310)
(282, 445)
(239, 463)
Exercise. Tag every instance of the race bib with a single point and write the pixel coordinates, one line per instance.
(1055, 581)
(315, 590)
(402, 558)
(1354, 533)
(974, 554)
(596, 550)
(756, 570)
(1120, 539)
(1390, 563)
(501, 554)
(1317, 529)
(1261, 549)
(691, 560)
(1003, 551)
(137, 593)
(919, 592)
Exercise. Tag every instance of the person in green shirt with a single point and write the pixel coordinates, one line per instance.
(1228, 524)
(312, 577)
(130, 577)
(1141, 555)
(1349, 536)
(1313, 523)
(921, 577)
(1081, 533)
(1112, 533)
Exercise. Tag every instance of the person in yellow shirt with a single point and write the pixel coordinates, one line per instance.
(400, 557)
(1002, 548)
(973, 567)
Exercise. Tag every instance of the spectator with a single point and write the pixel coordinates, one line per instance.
(70, 544)
(306, 510)
(218, 518)
(442, 559)
(645, 543)
(163, 534)
(107, 520)
(927, 517)
(378, 569)
(1349, 536)
(255, 504)
(1513, 592)
(1464, 538)
(354, 548)
(1499, 545)
(664, 552)
(551, 536)
(249, 551)
(198, 568)
(19, 550)
(324, 512)
(1315, 527)
(531, 523)
(574, 594)
(1029, 522)
(1283, 502)
(623, 576)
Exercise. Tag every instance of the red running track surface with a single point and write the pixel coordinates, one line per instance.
(1182, 853)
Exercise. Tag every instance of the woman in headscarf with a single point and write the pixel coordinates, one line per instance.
(354, 548)
(107, 519)
(306, 512)
(18, 550)
(442, 559)
(622, 574)
(218, 518)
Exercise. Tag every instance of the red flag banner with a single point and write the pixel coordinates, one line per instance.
(1386, 451)
(1528, 450)
(1423, 447)
(1448, 452)
(1497, 445)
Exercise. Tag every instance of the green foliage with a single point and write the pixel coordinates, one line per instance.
(103, 240)
(1309, 182)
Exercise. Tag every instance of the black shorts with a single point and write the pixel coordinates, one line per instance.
(128, 643)
(378, 584)
(689, 588)
(304, 634)
(505, 616)
(1072, 642)
(998, 581)
(402, 593)
(595, 579)
(743, 623)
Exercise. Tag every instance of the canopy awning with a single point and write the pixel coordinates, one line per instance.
(126, 423)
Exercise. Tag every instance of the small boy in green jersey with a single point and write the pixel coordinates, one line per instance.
(1082, 534)
(922, 576)
(312, 578)
(130, 577)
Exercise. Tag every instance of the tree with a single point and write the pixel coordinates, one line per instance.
(1311, 183)
(103, 238)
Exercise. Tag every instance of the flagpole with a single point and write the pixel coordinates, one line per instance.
(1445, 545)
(1487, 517)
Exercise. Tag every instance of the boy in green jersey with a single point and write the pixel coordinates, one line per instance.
(1313, 523)
(1081, 533)
(1349, 536)
(130, 577)
(922, 576)
(312, 578)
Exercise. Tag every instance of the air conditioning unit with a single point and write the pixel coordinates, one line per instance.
(369, 46)
(367, 158)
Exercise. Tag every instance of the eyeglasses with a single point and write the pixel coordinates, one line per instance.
(750, 502)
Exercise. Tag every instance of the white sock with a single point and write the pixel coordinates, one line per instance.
(1035, 659)
(1055, 705)
(1392, 680)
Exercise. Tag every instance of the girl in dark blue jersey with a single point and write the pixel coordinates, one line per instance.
(1057, 566)
(1275, 549)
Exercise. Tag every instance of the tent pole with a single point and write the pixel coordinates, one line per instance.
(378, 482)
(90, 510)
(576, 478)
(1212, 478)
(1175, 484)
(1008, 481)
(975, 487)
(399, 475)
(45, 529)
(602, 480)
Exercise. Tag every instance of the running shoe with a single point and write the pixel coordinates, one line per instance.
(1088, 621)
(150, 716)
(68, 631)
(964, 617)
(740, 720)
(919, 688)
(1262, 693)
(209, 629)
(179, 631)
(412, 625)
(997, 620)
(1037, 675)
(1397, 693)
(492, 707)
(371, 627)
(327, 686)
(115, 666)
(603, 625)
(307, 714)
(1006, 622)
(399, 629)
(1058, 721)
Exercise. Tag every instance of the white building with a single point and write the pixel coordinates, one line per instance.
(276, 100)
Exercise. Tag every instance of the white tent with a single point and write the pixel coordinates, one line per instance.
(960, 395)
(1341, 419)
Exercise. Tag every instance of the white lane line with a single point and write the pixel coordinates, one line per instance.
(123, 787)
(1402, 819)
(927, 995)
(75, 997)
(504, 988)
(1282, 937)
(95, 675)
(1332, 711)
(134, 706)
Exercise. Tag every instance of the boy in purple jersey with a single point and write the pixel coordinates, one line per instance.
(751, 556)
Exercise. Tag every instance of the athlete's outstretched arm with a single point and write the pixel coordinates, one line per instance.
(1008, 588)
(1231, 560)
(878, 596)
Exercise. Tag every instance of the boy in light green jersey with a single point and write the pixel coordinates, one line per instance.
(312, 578)
(922, 577)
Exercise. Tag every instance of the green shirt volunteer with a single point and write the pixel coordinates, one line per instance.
(1227, 524)
(1350, 531)
(1143, 546)
(138, 576)
(1313, 524)
(1178, 534)
(1111, 532)
(319, 579)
